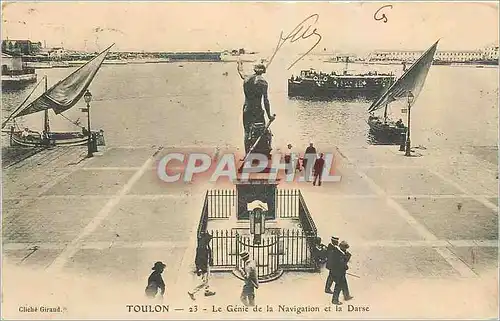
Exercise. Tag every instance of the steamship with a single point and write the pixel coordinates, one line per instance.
(318, 84)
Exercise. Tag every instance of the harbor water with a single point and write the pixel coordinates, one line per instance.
(198, 104)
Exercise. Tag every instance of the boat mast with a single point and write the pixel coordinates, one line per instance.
(46, 125)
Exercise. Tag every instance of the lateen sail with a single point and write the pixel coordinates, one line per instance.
(412, 80)
(66, 93)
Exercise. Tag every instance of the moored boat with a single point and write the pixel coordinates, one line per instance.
(407, 87)
(386, 132)
(61, 97)
(317, 84)
(35, 139)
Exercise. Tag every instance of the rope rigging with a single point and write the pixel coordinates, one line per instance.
(76, 122)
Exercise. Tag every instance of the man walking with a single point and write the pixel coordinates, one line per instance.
(347, 256)
(318, 169)
(251, 281)
(255, 89)
(203, 261)
(339, 275)
(331, 261)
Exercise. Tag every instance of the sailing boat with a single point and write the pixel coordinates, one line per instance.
(60, 97)
(409, 84)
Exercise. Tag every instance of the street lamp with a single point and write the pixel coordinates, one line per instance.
(408, 142)
(88, 97)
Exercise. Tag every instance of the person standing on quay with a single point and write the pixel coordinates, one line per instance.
(318, 169)
(331, 260)
(288, 157)
(249, 273)
(203, 261)
(310, 154)
(155, 281)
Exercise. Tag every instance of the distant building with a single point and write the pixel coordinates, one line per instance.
(458, 56)
(58, 53)
(22, 47)
(412, 55)
(491, 52)
(391, 55)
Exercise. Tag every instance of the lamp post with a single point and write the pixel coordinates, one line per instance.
(408, 142)
(88, 97)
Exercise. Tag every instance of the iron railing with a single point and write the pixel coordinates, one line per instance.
(285, 249)
(280, 249)
(295, 250)
(221, 203)
(266, 254)
(305, 218)
(287, 203)
(224, 248)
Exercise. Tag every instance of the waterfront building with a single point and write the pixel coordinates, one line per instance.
(458, 55)
(58, 53)
(395, 55)
(24, 47)
(412, 55)
(491, 52)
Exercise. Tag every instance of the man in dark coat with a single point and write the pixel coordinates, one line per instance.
(347, 256)
(318, 169)
(331, 260)
(339, 274)
(310, 153)
(203, 261)
(155, 281)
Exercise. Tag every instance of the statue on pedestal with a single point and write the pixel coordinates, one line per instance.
(254, 122)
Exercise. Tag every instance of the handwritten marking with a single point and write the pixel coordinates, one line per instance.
(297, 34)
(383, 17)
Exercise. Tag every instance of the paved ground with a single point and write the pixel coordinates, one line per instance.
(423, 233)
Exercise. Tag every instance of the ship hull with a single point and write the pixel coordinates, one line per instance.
(18, 81)
(56, 139)
(306, 89)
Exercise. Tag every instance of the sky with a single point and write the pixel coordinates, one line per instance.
(164, 26)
